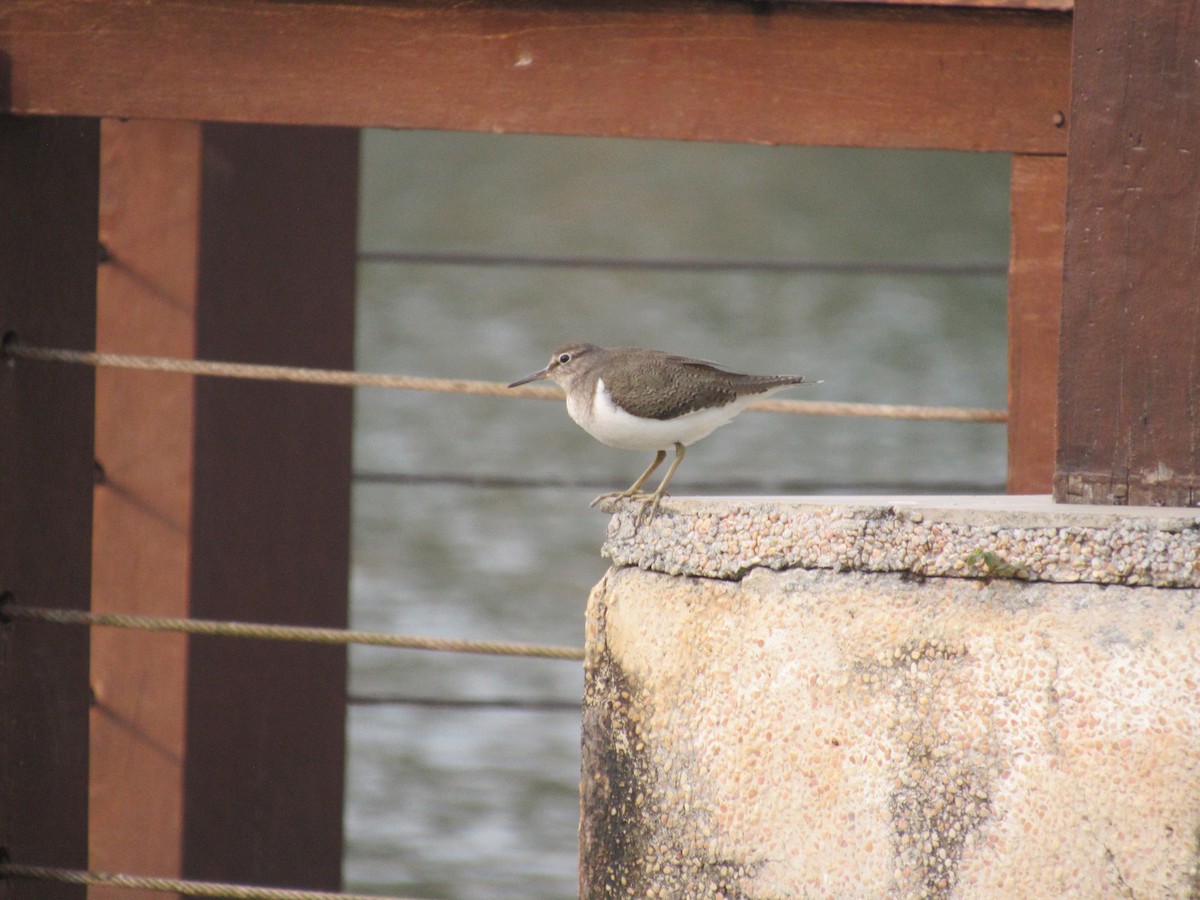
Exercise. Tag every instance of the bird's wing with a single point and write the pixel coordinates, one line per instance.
(667, 387)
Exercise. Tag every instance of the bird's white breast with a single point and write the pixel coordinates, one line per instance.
(611, 425)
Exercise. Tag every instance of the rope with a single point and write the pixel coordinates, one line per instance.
(175, 885)
(280, 373)
(287, 633)
(881, 411)
(462, 385)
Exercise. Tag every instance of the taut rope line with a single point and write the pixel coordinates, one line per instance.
(344, 378)
(286, 632)
(174, 885)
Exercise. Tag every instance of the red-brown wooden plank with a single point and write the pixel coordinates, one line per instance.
(689, 69)
(149, 224)
(270, 523)
(1129, 389)
(1051, 5)
(48, 185)
(1039, 186)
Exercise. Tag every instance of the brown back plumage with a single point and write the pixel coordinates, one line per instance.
(663, 386)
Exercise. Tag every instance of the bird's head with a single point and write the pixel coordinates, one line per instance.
(567, 363)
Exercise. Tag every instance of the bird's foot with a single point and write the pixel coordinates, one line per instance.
(648, 510)
(620, 495)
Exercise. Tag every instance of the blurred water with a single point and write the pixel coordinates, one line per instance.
(483, 804)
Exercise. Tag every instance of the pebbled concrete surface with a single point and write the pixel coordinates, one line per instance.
(918, 697)
(1025, 537)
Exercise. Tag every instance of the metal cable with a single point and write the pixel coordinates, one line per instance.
(345, 378)
(684, 264)
(286, 632)
(717, 487)
(502, 703)
(175, 885)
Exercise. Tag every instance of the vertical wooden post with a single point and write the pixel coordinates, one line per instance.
(48, 187)
(271, 510)
(146, 304)
(223, 759)
(1038, 191)
(1129, 385)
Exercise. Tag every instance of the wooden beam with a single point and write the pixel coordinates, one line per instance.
(1035, 273)
(49, 171)
(686, 69)
(146, 304)
(1058, 5)
(1129, 388)
(271, 511)
(223, 759)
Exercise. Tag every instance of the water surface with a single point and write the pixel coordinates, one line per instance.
(483, 803)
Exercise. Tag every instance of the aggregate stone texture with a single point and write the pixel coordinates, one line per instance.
(789, 731)
(1021, 537)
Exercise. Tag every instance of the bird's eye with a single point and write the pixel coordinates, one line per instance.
(564, 358)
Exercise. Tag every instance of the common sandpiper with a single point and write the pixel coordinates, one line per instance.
(637, 399)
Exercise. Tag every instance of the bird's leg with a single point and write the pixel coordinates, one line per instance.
(636, 487)
(650, 505)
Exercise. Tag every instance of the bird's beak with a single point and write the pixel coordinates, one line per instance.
(536, 376)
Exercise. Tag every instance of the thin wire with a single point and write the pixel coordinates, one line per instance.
(504, 703)
(175, 885)
(767, 266)
(464, 386)
(287, 633)
(726, 486)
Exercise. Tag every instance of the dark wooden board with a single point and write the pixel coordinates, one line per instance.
(271, 510)
(49, 172)
(1129, 387)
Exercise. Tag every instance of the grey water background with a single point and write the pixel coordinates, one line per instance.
(483, 803)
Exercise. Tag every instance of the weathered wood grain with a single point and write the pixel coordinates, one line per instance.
(843, 75)
(1129, 387)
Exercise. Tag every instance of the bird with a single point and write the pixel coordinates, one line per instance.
(633, 398)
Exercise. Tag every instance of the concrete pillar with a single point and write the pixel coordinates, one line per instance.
(927, 697)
